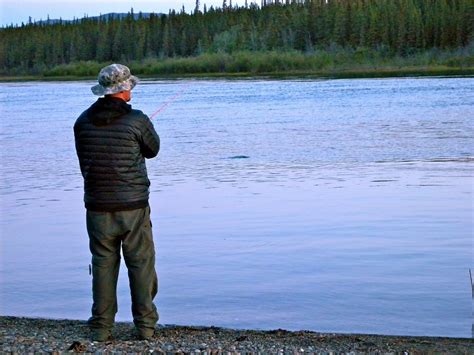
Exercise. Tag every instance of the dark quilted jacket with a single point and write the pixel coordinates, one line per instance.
(112, 142)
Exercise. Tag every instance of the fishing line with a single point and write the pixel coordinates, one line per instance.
(170, 101)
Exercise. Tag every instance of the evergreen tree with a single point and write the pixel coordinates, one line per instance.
(402, 26)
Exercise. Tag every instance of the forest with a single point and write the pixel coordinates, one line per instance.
(271, 36)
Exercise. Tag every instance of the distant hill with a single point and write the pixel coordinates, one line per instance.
(111, 15)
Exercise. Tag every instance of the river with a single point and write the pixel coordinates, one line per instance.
(327, 205)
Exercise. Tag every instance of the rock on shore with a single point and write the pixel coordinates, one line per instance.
(27, 335)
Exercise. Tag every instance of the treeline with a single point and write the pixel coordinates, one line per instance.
(395, 27)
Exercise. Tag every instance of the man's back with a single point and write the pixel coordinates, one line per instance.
(112, 142)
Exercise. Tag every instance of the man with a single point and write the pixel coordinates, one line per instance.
(112, 142)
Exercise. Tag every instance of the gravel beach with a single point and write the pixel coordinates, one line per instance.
(28, 335)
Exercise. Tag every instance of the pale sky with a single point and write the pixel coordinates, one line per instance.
(17, 11)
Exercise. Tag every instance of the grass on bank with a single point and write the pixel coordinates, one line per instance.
(332, 62)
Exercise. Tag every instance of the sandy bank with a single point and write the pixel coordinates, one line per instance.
(26, 335)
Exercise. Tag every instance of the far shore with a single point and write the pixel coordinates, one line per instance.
(31, 335)
(384, 72)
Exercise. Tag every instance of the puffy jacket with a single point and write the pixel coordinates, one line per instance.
(112, 142)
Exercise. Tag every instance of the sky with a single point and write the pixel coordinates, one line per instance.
(18, 11)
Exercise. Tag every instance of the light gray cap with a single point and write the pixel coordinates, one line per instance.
(113, 79)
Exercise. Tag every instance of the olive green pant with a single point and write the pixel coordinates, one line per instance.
(108, 233)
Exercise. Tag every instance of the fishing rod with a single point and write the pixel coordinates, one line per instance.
(170, 101)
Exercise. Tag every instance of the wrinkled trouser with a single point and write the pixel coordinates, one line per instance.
(131, 230)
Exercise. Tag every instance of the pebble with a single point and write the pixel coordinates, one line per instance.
(27, 335)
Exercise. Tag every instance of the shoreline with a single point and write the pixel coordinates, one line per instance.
(25, 335)
(383, 72)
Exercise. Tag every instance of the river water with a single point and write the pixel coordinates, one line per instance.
(327, 205)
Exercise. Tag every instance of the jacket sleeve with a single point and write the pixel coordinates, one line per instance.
(76, 129)
(149, 139)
